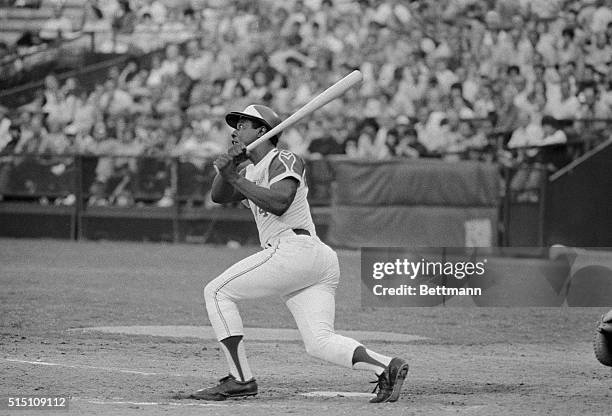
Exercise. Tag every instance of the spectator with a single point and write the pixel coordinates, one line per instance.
(459, 103)
(8, 136)
(32, 135)
(172, 63)
(198, 61)
(500, 60)
(294, 38)
(449, 145)
(598, 51)
(53, 100)
(124, 21)
(591, 104)
(58, 27)
(55, 141)
(527, 133)
(546, 43)
(294, 140)
(407, 143)
(484, 104)
(97, 195)
(470, 139)
(156, 10)
(327, 142)
(552, 135)
(155, 74)
(602, 17)
(28, 40)
(468, 79)
(114, 100)
(85, 111)
(507, 112)
(567, 49)
(369, 144)
(259, 91)
(191, 145)
(563, 104)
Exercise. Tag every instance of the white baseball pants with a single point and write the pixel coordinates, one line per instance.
(305, 273)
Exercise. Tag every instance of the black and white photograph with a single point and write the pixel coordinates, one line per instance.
(306, 207)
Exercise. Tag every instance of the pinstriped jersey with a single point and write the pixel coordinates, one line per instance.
(298, 214)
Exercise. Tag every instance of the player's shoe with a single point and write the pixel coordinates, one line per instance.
(389, 384)
(228, 387)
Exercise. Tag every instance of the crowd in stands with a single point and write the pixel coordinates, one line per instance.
(456, 79)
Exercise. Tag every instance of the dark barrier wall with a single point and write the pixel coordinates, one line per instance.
(412, 203)
(167, 199)
(35, 176)
(415, 182)
(579, 202)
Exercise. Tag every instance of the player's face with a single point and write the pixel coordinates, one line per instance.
(246, 131)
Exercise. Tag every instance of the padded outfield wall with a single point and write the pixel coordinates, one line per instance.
(414, 203)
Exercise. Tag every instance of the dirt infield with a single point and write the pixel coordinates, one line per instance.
(476, 361)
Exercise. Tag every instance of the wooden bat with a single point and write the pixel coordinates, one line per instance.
(330, 94)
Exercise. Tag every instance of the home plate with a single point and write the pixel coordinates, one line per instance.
(253, 334)
(337, 394)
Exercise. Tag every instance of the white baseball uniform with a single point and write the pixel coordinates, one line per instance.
(300, 268)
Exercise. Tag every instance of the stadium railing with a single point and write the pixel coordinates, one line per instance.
(104, 40)
(36, 62)
(87, 75)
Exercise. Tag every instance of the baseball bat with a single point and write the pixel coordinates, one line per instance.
(330, 94)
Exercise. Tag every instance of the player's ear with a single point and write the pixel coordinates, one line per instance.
(262, 130)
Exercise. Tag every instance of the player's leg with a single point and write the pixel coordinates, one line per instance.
(273, 271)
(313, 309)
(221, 295)
(240, 281)
(260, 275)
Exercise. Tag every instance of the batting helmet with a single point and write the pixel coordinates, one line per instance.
(256, 112)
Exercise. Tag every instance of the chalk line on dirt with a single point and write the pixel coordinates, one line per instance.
(337, 394)
(92, 367)
(122, 402)
(253, 334)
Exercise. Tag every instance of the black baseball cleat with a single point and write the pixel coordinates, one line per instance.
(389, 384)
(228, 387)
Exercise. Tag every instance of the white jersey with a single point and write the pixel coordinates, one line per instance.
(298, 214)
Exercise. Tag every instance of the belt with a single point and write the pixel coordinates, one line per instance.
(296, 231)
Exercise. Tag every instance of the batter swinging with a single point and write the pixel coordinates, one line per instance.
(293, 264)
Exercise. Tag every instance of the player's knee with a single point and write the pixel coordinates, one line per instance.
(313, 349)
(213, 292)
(209, 292)
(318, 346)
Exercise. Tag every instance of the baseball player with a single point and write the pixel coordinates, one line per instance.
(293, 264)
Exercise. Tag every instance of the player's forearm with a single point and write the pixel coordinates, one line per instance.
(269, 200)
(223, 191)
